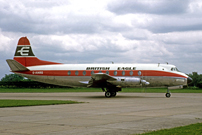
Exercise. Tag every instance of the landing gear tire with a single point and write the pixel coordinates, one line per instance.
(108, 94)
(113, 94)
(168, 95)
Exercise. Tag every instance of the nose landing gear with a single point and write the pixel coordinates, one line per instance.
(168, 93)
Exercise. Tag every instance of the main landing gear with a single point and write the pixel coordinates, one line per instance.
(111, 92)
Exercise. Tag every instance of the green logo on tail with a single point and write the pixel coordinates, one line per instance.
(24, 51)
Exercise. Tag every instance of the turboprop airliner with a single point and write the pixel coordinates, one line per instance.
(109, 77)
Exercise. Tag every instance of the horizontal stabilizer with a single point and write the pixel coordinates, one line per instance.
(16, 66)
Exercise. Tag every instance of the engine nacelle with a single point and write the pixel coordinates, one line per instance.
(132, 81)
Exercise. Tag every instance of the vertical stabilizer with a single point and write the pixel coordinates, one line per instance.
(25, 56)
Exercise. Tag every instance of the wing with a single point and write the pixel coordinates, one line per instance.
(99, 79)
(102, 76)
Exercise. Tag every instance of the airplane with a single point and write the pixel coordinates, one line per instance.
(111, 78)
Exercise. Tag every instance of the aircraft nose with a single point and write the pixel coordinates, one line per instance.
(189, 80)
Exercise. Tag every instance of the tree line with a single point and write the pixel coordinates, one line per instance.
(196, 80)
(16, 81)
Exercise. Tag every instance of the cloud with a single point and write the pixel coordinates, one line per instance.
(94, 31)
(53, 18)
(161, 16)
(173, 24)
(149, 7)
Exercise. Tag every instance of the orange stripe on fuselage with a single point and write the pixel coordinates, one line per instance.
(111, 73)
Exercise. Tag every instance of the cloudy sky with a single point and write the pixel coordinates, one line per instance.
(101, 31)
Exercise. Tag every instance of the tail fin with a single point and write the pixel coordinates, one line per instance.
(25, 56)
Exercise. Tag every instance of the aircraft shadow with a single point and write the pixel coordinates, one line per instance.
(119, 97)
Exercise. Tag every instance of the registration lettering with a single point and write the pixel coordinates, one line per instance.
(37, 72)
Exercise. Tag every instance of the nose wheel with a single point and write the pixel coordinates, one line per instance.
(168, 95)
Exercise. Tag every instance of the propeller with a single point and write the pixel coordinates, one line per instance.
(143, 81)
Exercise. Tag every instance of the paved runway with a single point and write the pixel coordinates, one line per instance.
(128, 113)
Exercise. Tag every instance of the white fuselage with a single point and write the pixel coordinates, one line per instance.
(77, 74)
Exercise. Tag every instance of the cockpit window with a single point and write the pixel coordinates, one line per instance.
(174, 69)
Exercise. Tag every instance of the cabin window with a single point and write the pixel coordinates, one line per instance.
(84, 72)
(115, 72)
(139, 73)
(107, 72)
(92, 72)
(69, 72)
(131, 72)
(123, 72)
(77, 72)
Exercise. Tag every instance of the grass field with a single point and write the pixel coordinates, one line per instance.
(193, 129)
(52, 90)
(20, 103)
